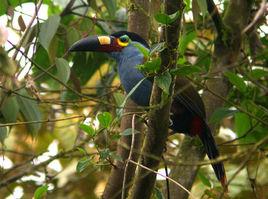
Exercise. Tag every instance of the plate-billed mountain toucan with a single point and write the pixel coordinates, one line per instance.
(187, 111)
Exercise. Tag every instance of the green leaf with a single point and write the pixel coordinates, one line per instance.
(158, 194)
(88, 129)
(7, 65)
(164, 81)
(204, 179)
(202, 4)
(258, 73)
(156, 48)
(242, 123)
(145, 51)
(167, 19)
(110, 6)
(3, 134)
(128, 132)
(105, 153)
(63, 70)
(3, 7)
(150, 66)
(116, 157)
(86, 64)
(72, 36)
(185, 40)
(237, 81)
(105, 119)
(119, 98)
(185, 70)
(83, 164)
(10, 109)
(30, 111)
(82, 150)
(40, 192)
(48, 30)
(187, 4)
(221, 113)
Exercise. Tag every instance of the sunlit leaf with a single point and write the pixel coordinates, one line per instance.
(88, 129)
(105, 119)
(145, 51)
(40, 192)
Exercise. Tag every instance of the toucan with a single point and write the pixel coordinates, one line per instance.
(188, 114)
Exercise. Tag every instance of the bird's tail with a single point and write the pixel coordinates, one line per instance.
(213, 152)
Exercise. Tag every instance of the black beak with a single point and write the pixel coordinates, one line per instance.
(90, 43)
(96, 43)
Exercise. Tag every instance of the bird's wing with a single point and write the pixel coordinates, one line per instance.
(186, 94)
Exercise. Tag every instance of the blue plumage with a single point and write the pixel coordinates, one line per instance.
(127, 61)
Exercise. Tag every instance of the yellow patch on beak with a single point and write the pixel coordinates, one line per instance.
(104, 40)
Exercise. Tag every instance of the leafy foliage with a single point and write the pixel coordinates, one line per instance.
(42, 132)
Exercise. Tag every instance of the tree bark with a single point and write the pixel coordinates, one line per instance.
(158, 123)
(226, 53)
(138, 22)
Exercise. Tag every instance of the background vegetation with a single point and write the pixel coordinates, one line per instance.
(60, 111)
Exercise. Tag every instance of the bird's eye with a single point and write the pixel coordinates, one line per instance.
(124, 38)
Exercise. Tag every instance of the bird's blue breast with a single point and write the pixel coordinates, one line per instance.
(130, 76)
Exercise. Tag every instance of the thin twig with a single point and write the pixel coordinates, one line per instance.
(129, 157)
(260, 13)
(166, 177)
(41, 121)
(27, 30)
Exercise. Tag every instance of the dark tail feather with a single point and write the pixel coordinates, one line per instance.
(213, 152)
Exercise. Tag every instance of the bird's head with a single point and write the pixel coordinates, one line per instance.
(114, 44)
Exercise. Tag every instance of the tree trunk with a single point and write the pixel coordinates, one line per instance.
(138, 22)
(155, 139)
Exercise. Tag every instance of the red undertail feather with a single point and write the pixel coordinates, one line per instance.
(196, 126)
(224, 183)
